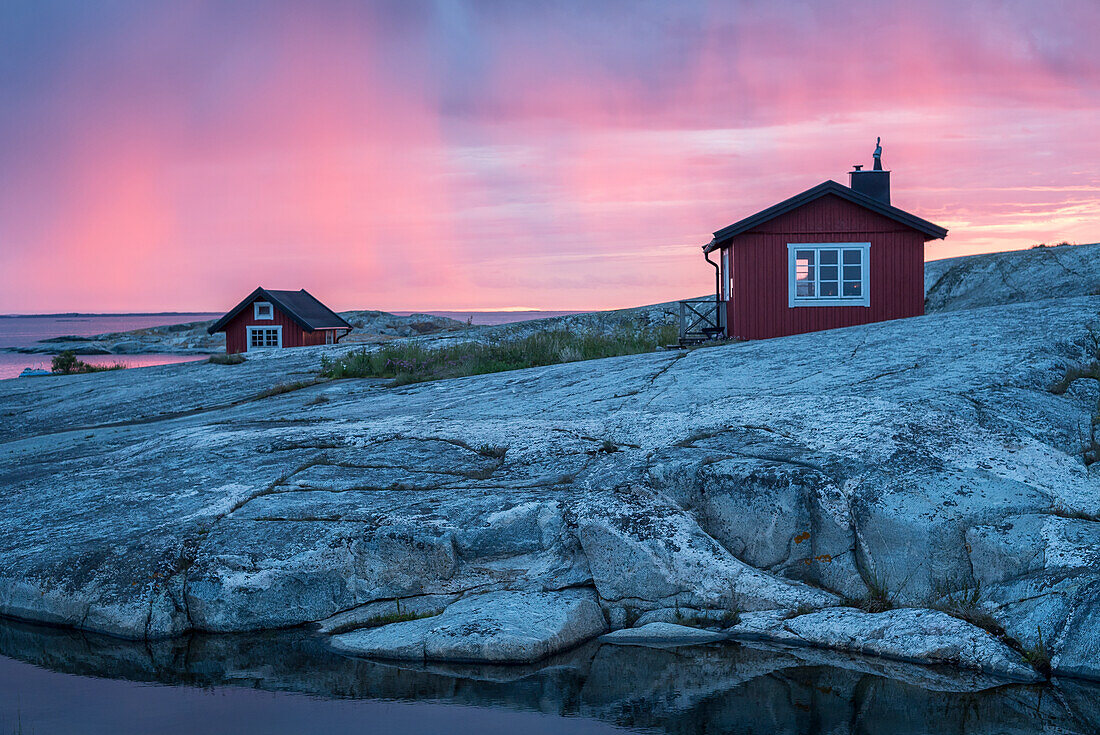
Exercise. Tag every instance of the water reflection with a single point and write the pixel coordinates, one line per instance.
(718, 688)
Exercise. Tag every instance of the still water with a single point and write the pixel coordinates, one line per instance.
(26, 331)
(56, 681)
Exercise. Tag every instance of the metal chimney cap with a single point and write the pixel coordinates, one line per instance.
(857, 166)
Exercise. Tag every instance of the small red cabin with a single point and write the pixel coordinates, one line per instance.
(832, 256)
(267, 319)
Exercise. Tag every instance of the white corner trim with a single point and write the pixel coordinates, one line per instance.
(794, 301)
(250, 330)
(256, 310)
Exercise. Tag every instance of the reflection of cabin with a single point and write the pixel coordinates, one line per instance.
(832, 256)
(279, 319)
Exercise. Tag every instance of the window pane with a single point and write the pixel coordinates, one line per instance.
(828, 288)
(804, 288)
(852, 257)
(806, 255)
(828, 257)
(853, 273)
(829, 272)
(852, 289)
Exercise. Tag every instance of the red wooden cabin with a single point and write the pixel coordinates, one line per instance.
(832, 256)
(267, 319)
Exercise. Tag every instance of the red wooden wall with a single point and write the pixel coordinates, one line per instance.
(758, 306)
(236, 333)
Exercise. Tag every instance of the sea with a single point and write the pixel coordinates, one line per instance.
(26, 330)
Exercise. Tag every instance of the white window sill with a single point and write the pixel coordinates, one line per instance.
(829, 302)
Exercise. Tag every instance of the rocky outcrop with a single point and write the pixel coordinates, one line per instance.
(869, 462)
(1045, 272)
(368, 327)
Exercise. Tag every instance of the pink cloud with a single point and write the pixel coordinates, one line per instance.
(497, 155)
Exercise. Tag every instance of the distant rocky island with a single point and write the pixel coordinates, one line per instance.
(921, 490)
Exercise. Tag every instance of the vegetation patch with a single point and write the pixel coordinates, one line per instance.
(280, 388)
(227, 359)
(802, 609)
(965, 604)
(878, 599)
(1038, 656)
(487, 450)
(67, 363)
(414, 363)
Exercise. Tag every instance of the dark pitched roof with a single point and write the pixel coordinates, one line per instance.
(301, 306)
(826, 187)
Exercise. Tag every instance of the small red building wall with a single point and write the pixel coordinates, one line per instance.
(236, 332)
(759, 303)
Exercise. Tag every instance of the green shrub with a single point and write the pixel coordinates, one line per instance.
(226, 359)
(67, 363)
(414, 363)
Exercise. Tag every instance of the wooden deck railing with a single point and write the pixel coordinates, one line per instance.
(701, 319)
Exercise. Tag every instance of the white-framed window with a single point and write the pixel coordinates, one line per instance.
(330, 336)
(262, 310)
(726, 275)
(260, 337)
(829, 274)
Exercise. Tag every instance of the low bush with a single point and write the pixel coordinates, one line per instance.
(226, 359)
(67, 363)
(414, 363)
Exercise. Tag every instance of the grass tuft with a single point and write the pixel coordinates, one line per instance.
(281, 388)
(802, 609)
(878, 599)
(487, 450)
(414, 363)
(1038, 656)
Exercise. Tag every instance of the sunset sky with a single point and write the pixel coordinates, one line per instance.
(557, 155)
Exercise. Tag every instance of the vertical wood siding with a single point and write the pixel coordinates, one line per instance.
(236, 332)
(758, 307)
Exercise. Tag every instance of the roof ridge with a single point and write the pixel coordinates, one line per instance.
(829, 186)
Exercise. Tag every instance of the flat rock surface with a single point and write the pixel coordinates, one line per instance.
(499, 627)
(662, 634)
(905, 634)
(780, 474)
